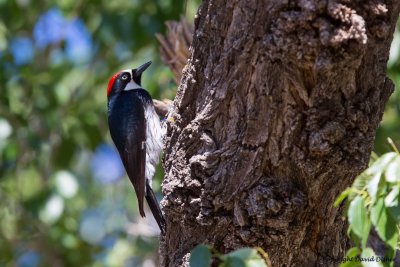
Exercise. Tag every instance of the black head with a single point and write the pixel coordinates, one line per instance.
(126, 80)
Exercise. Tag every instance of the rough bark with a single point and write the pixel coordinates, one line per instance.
(275, 115)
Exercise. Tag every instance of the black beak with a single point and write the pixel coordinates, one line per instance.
(142, 68)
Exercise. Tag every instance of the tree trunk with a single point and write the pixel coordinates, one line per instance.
(276, 115)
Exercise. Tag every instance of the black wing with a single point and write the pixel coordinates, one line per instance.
(128, 130)
(135, 163)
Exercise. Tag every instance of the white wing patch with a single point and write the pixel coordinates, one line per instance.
(153, 141)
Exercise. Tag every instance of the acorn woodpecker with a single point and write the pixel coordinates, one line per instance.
(136, 131)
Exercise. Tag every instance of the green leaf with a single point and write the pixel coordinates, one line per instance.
(341, 197)
(350, 263)
(365, 236)
(392, 199)
(392, 173)
(375, 185)
(358, 219)
(369, 258)
(256, 263)
(352, 252)
(392, 203)
(234, 262)
(200, 256)
(360, 183)
(349, 260)
(247, 256)
(244, 253)
(381, 164)
(394, 212)
(384, 224)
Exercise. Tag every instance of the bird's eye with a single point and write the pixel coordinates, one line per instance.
(125, 77)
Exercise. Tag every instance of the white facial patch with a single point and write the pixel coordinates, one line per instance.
(131, 85)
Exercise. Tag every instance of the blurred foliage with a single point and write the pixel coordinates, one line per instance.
(373, 202)
(203, 256)
(390, 125)
(65, 199)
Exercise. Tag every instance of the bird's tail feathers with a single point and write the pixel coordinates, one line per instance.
(141, 209)
(155, 208)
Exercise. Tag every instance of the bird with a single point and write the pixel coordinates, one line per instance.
(135, 129)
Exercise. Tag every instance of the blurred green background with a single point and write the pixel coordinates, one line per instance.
(390, 125)
(64, 198)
